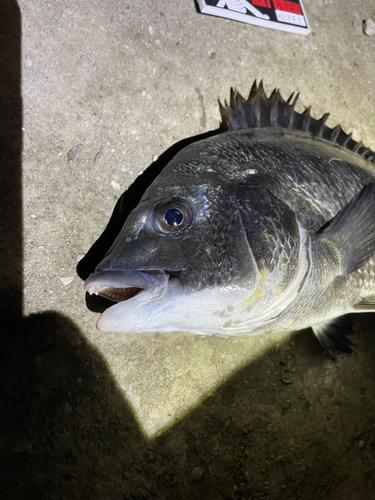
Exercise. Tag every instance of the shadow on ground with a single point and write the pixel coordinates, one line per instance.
(293, 424)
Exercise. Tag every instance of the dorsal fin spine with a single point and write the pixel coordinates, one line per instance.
(306, 120)
(335, 133)
(262, 111)
(257, 110)
(274, 113)
(347, 141)
(322, 122)
(289, 120)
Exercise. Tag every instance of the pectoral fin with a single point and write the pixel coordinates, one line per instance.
(352, 230)
(333, 335)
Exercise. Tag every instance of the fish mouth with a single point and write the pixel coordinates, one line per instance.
(105, 289)
(113, 294)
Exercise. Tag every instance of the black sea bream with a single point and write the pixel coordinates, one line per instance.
(267, 227)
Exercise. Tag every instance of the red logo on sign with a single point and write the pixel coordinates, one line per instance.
(262, 3)
(293, 8)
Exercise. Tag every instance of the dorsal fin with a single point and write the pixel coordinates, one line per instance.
(261, 111)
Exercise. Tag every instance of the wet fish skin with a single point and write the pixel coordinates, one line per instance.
(252, 259)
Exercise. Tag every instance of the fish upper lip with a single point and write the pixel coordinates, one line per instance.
(124, 285)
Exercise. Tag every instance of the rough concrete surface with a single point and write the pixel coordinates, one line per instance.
(93, 415)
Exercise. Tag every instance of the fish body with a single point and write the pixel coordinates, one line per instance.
(267, 227)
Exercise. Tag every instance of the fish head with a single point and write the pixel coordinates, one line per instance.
(189, 253)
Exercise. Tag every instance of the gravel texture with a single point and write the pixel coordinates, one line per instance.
(107, 88)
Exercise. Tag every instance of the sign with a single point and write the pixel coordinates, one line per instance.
(285, 15)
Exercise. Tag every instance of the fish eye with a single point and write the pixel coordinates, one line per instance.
(173, 217)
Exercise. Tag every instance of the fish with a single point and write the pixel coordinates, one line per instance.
(266, 227)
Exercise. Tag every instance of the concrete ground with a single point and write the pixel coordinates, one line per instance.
(94, 415)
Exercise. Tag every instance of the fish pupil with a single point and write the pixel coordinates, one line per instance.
(173, 217)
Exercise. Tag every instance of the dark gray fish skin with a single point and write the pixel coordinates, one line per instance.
(232, 212)
(313, 177)
(251, 259)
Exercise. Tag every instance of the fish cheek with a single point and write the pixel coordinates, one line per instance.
(220, 256)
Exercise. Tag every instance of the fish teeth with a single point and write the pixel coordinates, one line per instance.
(94, 290)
